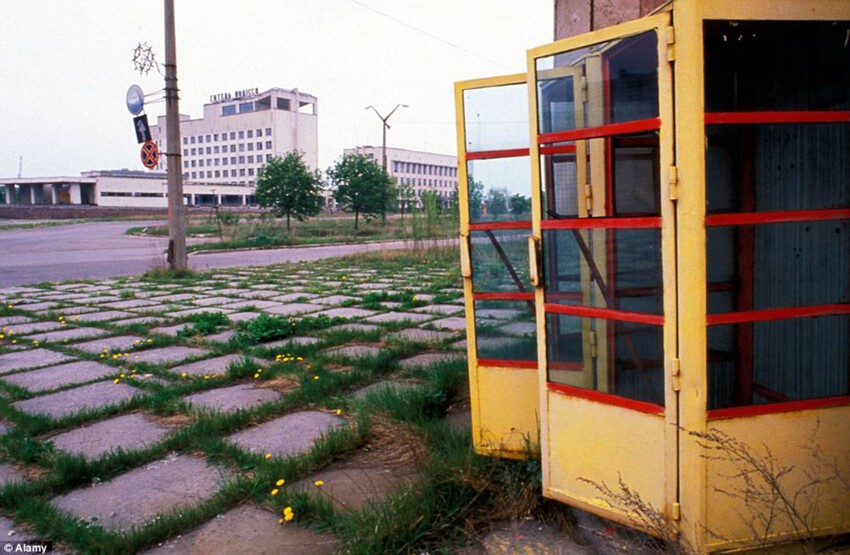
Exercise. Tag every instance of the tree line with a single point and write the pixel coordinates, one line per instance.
(290, 189)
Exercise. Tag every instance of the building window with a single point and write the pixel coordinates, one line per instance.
(268, 131)
(215, 137)
(283, 104)
(250, 159)
(241, 147)
(251, 171)
(241, 134)
(185, 140)
(246, 107)
(251, 147)
(269, 145)
(233, 160)
(250, 133)
(228, 110)
(194, 175)
(185, 163)
(241, 159)
(242, 172)
(259, 146)
(232, 135)
(217, 173)
(193, 163)
(209, 173)
(201, 163)
(232, 148)
(215, 149)
(268, 157)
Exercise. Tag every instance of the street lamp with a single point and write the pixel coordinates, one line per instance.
(384, 128)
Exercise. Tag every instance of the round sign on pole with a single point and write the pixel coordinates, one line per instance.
(135, 99)
(150, 155)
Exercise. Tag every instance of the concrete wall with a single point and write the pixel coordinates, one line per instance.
(574, 17)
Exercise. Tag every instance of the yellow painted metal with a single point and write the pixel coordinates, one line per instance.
(812, 445)
(660, 457)
(579, 438)
(505, 414)
(608, 445)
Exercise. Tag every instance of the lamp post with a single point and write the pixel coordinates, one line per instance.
(384, 127)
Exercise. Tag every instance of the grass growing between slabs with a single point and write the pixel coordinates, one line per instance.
(455, 494)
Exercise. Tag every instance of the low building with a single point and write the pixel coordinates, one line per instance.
(124, 188)
(417, 171)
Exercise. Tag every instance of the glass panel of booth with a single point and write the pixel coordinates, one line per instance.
(598, 125)
(777, 97)
(499, 207)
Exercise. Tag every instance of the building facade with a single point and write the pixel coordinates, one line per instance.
(417, 171)
(239, 132)
(120, 188)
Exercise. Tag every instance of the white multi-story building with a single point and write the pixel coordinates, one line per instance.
(420, 171)
(240, 131)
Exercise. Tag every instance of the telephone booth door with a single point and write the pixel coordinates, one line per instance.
(604, 258)
(495, 217)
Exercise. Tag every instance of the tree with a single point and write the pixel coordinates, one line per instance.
(476, 199)
(520, 205)
(497, 202)
(288, 187)
(361, 186)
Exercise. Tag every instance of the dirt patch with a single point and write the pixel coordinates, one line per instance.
(282, 384)
(172, 420)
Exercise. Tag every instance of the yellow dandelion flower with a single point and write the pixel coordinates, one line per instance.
(289, 516)
(299, 358)
(207, 377)
(268, 456)
(280, 482)
(184, 375)
(150, 340)
(319, 483)
(280, 521)
(116, 380)
(122, 376)
(315, 377)
(14, 342)
(259, 371)
(256, 376)
(2, 336)
(338, 412)
(274, 491)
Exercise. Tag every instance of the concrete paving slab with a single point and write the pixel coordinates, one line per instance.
(210, 301)
(87, 397)
(294, 296)
(420, 335)
(35, 358)
(12, 535)
(520, 328)
(427, 297)
(345, 312)
(355, 327)
(353, 351)
(135, 303)
(98, 299)
(454, 323)
(248, 530)
(127, 432)
(68, 334)
(242, 316)
(53, 377)
(32, 327)
(301, 340)
(222, 337)
(233, 398)
(399, 317)
(115, 344)
(33, 307)
(9, 475)
(71, 310)
(292, 309)
(169, 330)
(395, 386)
(101, 316)
(440, 309)
(288, 435)
(135, 498)
(426, 359)
(498, 313)
(10, 321)
(254, 294)
(530, 536)
(193, 311)
(212, 366)
(140, 320)
(179, 297)
(336, 299)
(256, 303)
(350, 487)
(169, 354)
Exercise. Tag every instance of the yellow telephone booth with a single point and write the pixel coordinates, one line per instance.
(690, 252)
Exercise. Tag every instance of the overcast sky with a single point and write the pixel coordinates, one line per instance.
(65, 67)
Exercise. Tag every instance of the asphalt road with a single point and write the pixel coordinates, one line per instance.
(100, 250)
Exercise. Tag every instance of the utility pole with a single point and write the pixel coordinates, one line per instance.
(384, 128)
(177, 258)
